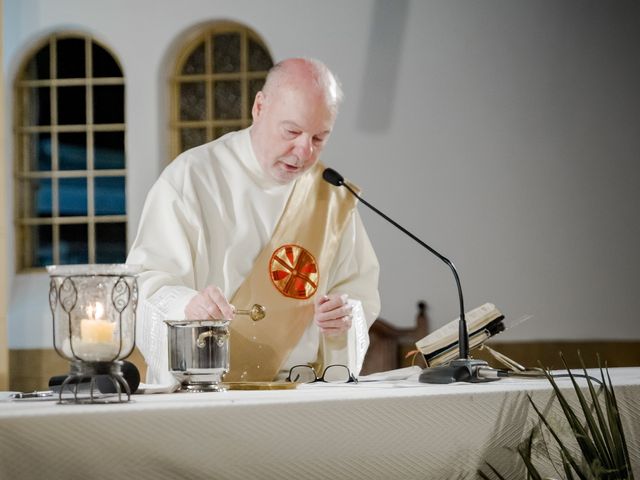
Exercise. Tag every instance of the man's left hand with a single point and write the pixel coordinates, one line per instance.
(333, 313)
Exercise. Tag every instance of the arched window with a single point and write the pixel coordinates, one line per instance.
(69, 154)
(214, 82)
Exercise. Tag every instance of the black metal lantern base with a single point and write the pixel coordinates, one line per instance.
(87, 373)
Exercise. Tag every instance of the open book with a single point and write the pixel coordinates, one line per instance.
(441, 346)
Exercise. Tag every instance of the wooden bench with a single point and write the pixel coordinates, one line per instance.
(389, 344)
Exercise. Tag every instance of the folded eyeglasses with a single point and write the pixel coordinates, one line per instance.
(331, 374)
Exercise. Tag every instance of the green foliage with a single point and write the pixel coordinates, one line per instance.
(603, 452)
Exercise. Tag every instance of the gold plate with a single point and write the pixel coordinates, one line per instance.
(260, 385)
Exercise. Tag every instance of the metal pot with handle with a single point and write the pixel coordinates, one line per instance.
(199, 353)
(199, 350)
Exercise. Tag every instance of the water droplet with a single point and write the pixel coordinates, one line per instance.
(253, 338)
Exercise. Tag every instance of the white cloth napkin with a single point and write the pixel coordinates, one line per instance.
(148, 388)
(405, 373)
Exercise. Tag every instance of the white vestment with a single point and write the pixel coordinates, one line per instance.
(204, 222)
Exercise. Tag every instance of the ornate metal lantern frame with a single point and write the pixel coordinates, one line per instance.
(94, 347)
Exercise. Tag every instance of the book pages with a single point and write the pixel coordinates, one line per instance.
(447, 335)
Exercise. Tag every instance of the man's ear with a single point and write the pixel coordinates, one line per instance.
(258, 105)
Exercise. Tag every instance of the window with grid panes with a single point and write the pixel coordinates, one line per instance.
(69, 155)
(215, 81)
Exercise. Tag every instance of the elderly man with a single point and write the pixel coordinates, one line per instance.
(247, 219)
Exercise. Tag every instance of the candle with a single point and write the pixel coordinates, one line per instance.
(96, 342)
(96, 330)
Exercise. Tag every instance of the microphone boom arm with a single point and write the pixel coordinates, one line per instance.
(463, 334)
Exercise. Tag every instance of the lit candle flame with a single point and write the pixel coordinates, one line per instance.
(98, 310)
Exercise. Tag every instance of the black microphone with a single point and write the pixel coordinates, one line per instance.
(463, 369)
(334, 178)
(130, 374)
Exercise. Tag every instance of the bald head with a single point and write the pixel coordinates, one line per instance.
(293, 116)
(305, 74)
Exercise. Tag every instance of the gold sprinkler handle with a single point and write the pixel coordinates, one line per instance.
(257, 312)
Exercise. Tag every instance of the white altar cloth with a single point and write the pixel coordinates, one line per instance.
(379, 430)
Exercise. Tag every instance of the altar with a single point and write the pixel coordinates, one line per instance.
(370, 430)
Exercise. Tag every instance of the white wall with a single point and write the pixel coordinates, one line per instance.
(504, 133)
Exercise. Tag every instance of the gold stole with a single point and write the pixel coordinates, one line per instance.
(306, 237)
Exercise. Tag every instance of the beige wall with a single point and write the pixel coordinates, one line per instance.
(31, 369)
(4, 230)
(502, 133)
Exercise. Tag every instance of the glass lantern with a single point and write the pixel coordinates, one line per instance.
(94, 315)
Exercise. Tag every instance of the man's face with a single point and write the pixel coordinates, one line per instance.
(290, 128)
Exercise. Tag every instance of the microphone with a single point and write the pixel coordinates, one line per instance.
(462, 369)
(334, 178)
(130, 373)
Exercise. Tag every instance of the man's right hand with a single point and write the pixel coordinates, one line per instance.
(209, 303)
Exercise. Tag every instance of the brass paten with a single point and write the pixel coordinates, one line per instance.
(260, 385)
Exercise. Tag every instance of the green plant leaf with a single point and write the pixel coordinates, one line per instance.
(524, 450)
(615, 424)
(532, 471)
(545, 445)
(593, 447)
(604, 428)
(587, 447)
(571, 460)
(612, 414)
(567, 467)
(601, 441)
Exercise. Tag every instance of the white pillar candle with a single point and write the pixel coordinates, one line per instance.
(96, 342)
(96, 331)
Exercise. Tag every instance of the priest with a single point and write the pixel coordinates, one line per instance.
(248, 219)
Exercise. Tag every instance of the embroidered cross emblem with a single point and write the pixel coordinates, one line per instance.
(294, 272)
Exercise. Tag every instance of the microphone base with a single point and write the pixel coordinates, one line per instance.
(459, 370)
